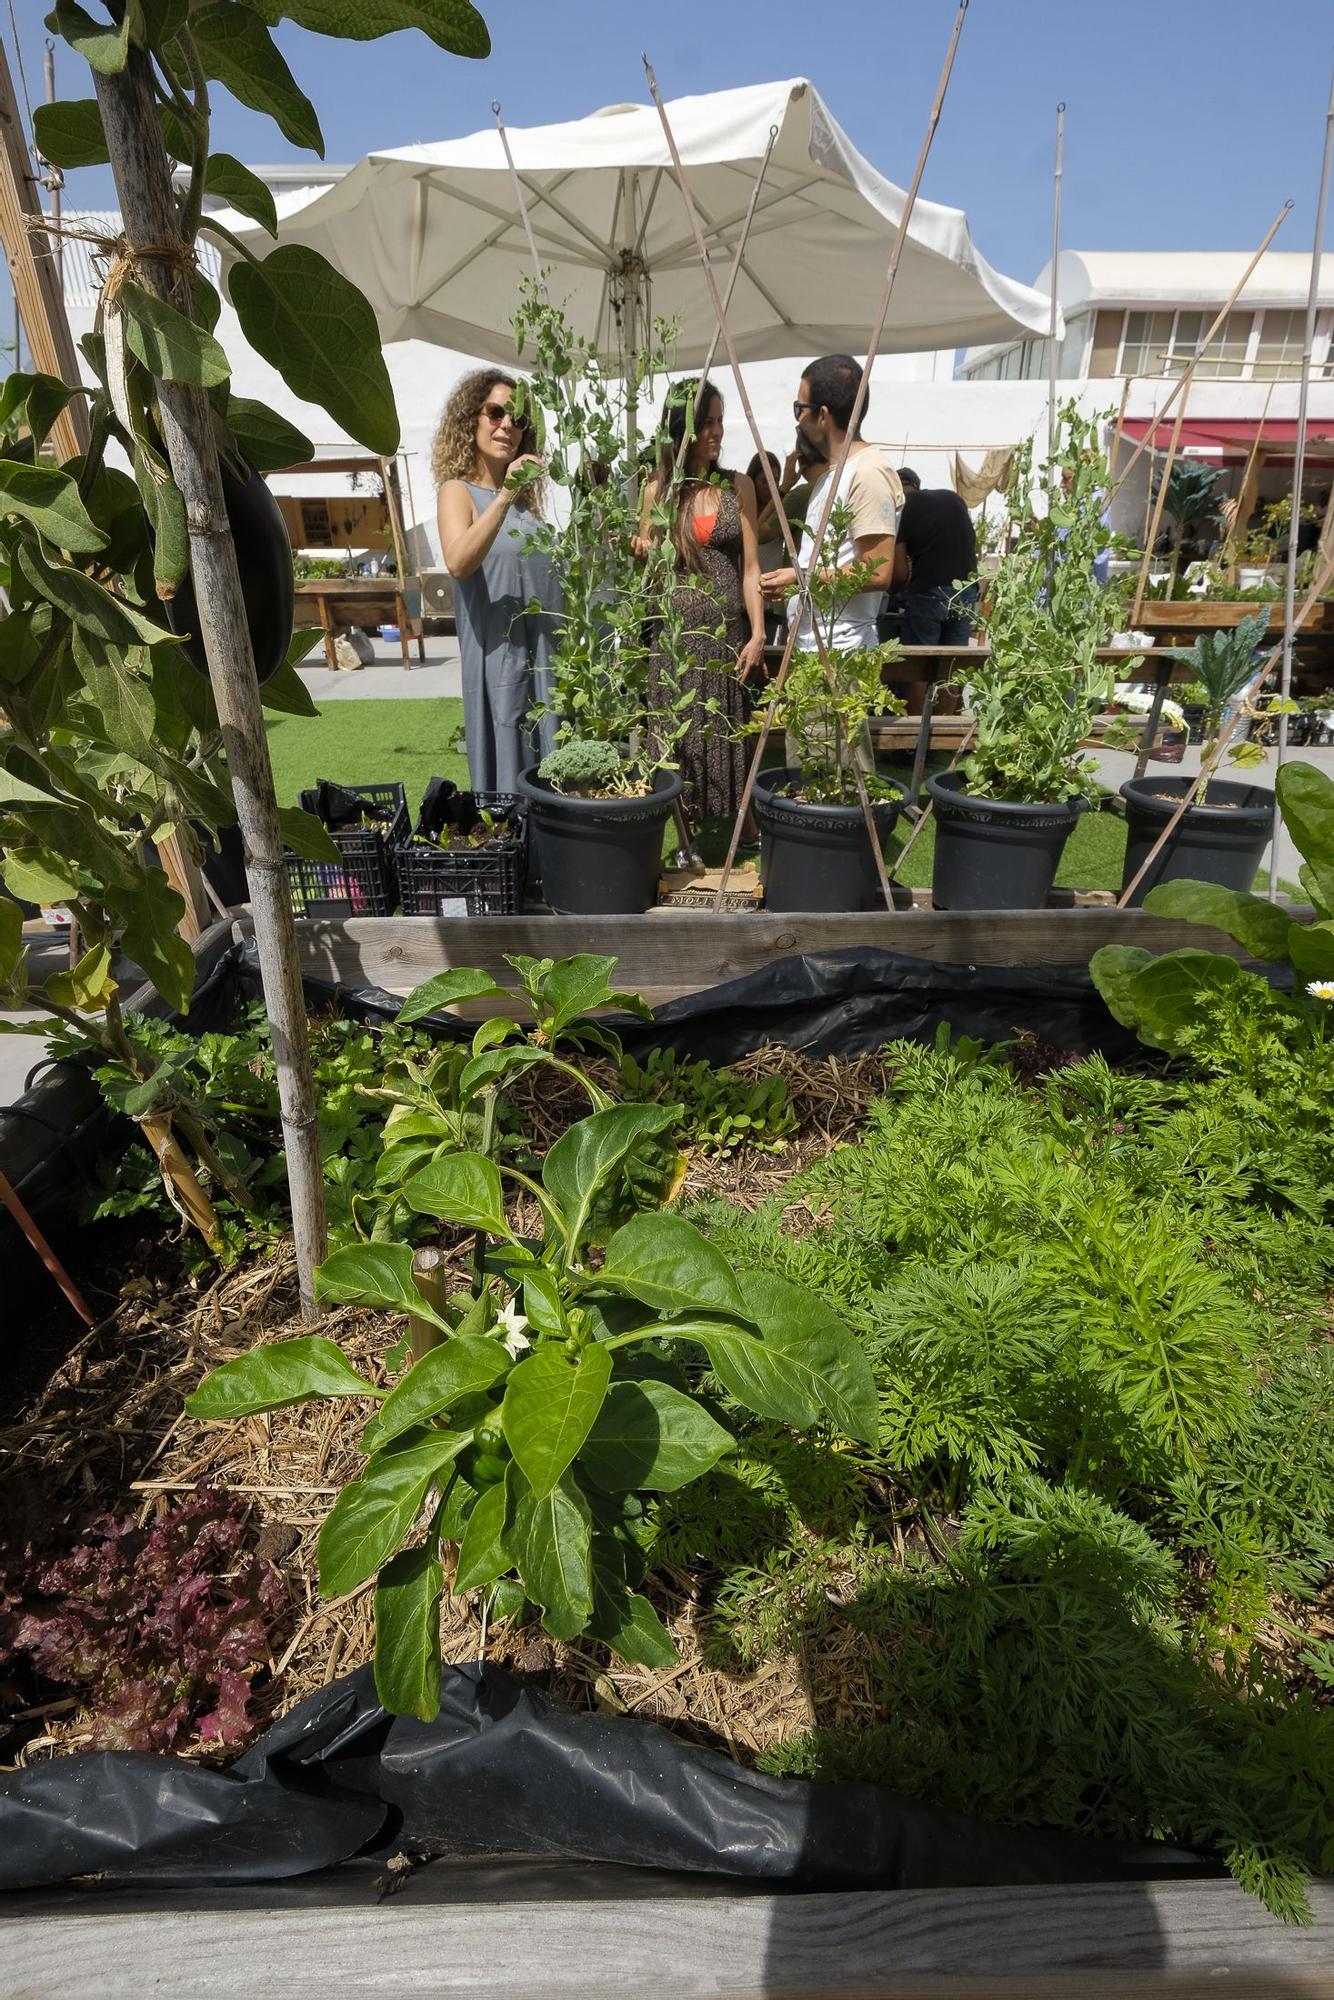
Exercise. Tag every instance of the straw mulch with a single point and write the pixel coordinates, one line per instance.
(108, 1436)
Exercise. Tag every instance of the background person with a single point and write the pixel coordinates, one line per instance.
(937, 538)
(486, 539)
(713, 537)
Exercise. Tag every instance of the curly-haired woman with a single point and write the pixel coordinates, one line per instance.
(486, 520)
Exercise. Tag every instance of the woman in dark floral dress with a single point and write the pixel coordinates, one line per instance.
(717, 601)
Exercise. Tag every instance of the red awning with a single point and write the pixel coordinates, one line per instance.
(1230, 437)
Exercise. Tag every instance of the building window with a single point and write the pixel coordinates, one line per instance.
(1070, 357)
(1278, 353)
(1146, 344)
(1227, 350)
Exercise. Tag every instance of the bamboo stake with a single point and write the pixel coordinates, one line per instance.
(836, 471)
(1298, 467)
(1057, 178)
(1202, 776)
(1205, 343)
(1160, 502)
(143, 183)
(12, 1201)
(431, 1276)
(38, 301)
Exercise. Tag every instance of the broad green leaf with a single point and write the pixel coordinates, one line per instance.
(87, 986)
(69, 133)
(551, 1402)
(464, 1188)
(175, 133)
(124, 702)
(39, 880)
(306, 835)
(551, 1540)
(166, 513)
(318, 331)
(454, 25)
(446, 990)
(242, 190)
(266, 440)
(285, 691)
(50, 500)
(151, 939)
(1114, 969)
(1311, 949)
(574, 985)
(407, 1634)
(238, 52)
(375, 1274)
(24, 637)
(542, 1300)
(492, 1064)
(12, 948)
(652, 1438)
(1164, 995)
(664, 1262)
(272, 1377)
(584, 1159)
(162, 20)
(818, 1347)
(109, 618)
(483, 1555)
(462, 1365)
(170, 346)
(1259, 927)
(16, 791)
(1306, 800)
(372, 1514)
(103, 45)
(764, 1381)
(490, 1033)
(628, 1624)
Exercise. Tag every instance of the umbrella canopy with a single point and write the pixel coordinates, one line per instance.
(432, 235)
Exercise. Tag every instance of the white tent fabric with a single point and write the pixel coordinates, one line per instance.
(432, 234)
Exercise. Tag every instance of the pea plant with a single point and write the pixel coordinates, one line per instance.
(110, 743)
(1036, 692)
(566, 1384)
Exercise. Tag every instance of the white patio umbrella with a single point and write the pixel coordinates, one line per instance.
(433, 237)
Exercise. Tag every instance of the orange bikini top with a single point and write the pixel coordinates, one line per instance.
(704, 525)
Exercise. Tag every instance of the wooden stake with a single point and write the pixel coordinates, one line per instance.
(11, 1200)
(1298, 467)
(33, 272)
(1057, 177)
(148, 207)
(430, 1274)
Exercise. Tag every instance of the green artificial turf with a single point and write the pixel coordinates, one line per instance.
(368, 743)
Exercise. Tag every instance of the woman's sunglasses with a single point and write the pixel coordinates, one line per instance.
(496, 413)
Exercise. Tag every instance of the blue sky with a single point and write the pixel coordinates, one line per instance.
(1188, 122)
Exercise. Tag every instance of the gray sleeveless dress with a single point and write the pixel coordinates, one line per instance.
(505, 651)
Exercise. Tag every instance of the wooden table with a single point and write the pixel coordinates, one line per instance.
(364, 600)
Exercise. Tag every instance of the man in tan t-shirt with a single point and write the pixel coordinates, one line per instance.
(869, 485)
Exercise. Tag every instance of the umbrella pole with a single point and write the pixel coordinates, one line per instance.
(836, 472)
(1298, 467)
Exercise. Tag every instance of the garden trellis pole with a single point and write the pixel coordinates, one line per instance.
(1160, 501)
(836, 472)
(1248, 695)
(1205, 343)
(160, 259)
(1057, 175)
(1298, 467)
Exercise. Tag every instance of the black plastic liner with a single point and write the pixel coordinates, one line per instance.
(505, 1771)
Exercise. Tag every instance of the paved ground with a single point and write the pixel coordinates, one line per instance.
(386, 678)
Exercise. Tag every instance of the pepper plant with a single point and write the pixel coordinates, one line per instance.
(110, 741)
(566, 1382)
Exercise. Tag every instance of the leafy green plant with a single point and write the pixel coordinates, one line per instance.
(531, 1431)
(826, 709)
(1223, 664)
(718, 1110)
(111, 742)
(1192, 496)
(616, 605)
(1038, 690)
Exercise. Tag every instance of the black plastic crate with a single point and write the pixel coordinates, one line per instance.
(484, 881)
(364, 882)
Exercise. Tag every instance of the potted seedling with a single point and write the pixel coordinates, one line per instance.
(1003, 818)
(815, 850)
(598, 802)
(1222, 835)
